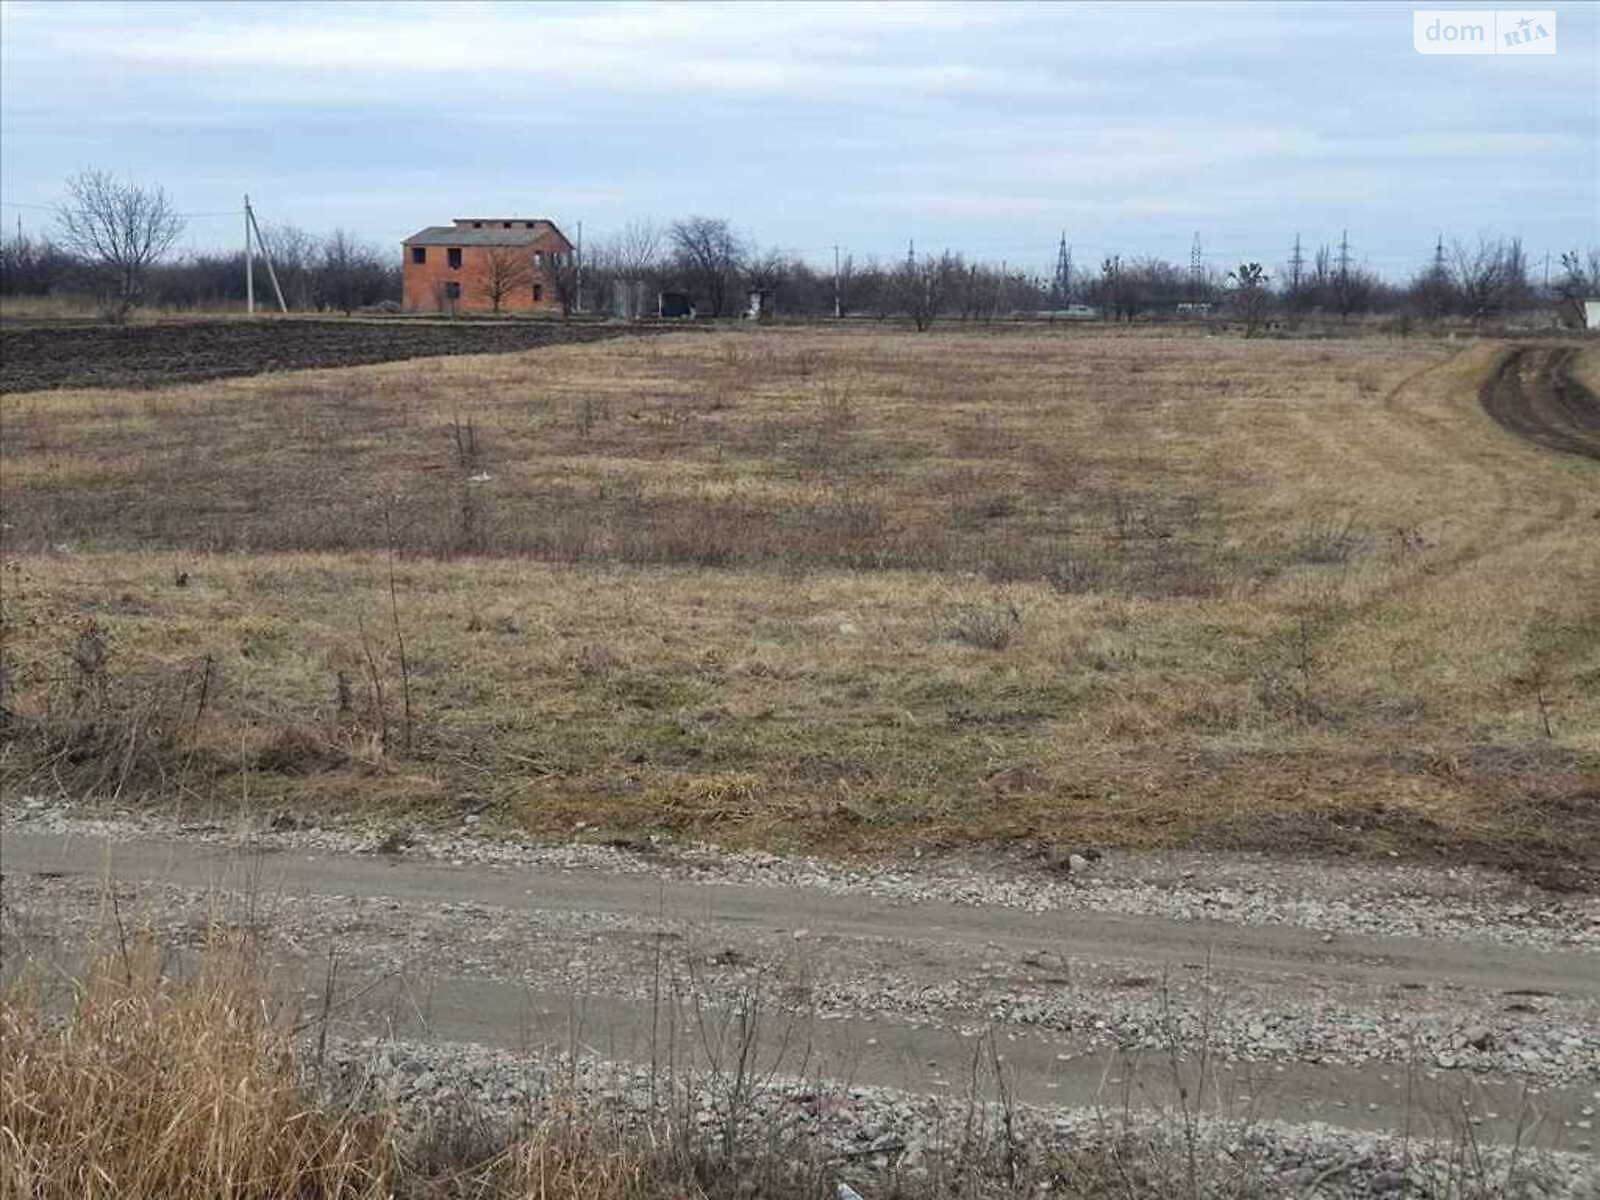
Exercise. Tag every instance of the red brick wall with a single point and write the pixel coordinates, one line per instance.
(423, 281)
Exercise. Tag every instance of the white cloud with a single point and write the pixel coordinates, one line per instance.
(810, 122)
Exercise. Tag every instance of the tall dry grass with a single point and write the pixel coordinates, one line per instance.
(149, 1083)
(153, 1085)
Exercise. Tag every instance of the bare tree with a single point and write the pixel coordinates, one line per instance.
(506, 270)
(294, 256)
(1519, 292)
(1432, 292)
(1487, 275)
(350, 274)
(1579, 281)
(120, 229)
(1351, 290)
(709, 255)
(1112, 290)
(970, 289)
(636, 250)
(923, 285)
(1251, 295)
(32, 268)
(1319, 287)
(621, 268)
(765, 272)
(871, 288)
(561, 270)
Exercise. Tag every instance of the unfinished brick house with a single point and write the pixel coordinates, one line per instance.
(480, 264)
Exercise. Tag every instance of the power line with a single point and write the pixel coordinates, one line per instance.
(53, 208)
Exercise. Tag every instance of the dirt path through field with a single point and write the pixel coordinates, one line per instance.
(1535, 396)
(896, 994)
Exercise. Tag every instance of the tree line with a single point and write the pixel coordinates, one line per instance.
(705, 256)
(113, 240)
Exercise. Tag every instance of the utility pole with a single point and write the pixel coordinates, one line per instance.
(577, 286)
(249, 262)
(1196, 268)
(266, 253)
(1297, 264)
(836, 313)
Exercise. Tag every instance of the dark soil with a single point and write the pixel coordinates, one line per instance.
(96, 356)
(1534, 396)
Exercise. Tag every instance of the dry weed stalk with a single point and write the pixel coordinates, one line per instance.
(159, 1086)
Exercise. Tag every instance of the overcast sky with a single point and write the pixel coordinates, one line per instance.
(987, 128)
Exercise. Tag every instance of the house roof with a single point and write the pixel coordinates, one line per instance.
(456, 235)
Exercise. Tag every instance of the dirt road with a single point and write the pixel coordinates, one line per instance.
(1311, 1019)
(1534, 396)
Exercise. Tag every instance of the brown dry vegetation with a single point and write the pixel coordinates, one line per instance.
(827, 588)
(152, 1081)
(149, 1084)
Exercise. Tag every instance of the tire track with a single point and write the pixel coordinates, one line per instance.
(1534, 396)
(1559, 413)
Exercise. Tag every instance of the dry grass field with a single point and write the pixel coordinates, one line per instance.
(851, 590)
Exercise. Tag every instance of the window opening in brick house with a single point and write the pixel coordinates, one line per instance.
(452, 290)
(419, 254)
(454, 255)
(538, 292)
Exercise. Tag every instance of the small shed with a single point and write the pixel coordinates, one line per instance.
(1591, 315)
(674, 304)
